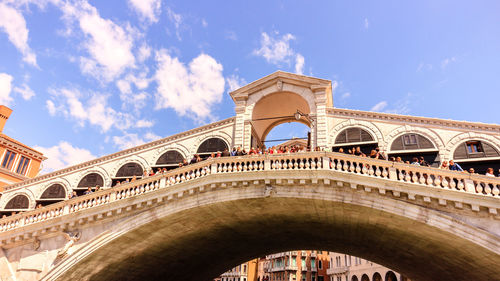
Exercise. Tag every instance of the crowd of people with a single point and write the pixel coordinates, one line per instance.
(238, 151)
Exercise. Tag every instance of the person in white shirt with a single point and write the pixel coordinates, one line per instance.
(489, 172)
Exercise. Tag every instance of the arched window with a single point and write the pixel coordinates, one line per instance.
(411, 145)
(211, 145)
(55, 191)
(169, 160)
(365, 278)
(390, 276)
(377, 277)
(411, 141)
(354, 278)
(18, 202)
(91, 180)
(353, 135)
(129, 170)
(477, 154)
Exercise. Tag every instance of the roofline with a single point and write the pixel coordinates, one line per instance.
(277, 74)
(414, 119)
(18, 145)
(120, 153)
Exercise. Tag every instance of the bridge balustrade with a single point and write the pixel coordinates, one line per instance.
(431, 177)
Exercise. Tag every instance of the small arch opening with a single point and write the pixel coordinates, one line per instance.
(351, 138)
(127, 173)
(478, 155)
(169, 160)
(412, 145)
(52, 194)
(211, 145)
(18, 202)
(390, 276)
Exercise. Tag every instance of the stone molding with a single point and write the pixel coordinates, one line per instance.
(10, 144)
(131, 159)
(426, 121)
(183, 150)
(65, 184)
(98, 170)
(214, 134)
(26, 192)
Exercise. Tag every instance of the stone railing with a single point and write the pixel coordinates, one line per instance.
(342, 163)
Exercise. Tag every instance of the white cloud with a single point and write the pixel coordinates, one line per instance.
(299, 64)
(129, 140)
(25, 91)
(128, 96)
(424, 66)
(144, 124)
(447, 61)
(204, 23)
(144, 53)
(366, 23)
(235, 82)
(108, 44)
(92, 109)
(177, 19)
(5, 88)
(190, 90)
(379, 106)
(275, 50)
(345, 95)
(63, 155)
(335, 84)
(13, 23)
(147, 9)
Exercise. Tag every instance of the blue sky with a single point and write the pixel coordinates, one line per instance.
(89, 78)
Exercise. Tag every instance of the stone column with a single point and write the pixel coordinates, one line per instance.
(320, 130)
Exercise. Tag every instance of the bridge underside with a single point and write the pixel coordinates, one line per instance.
(201, 243)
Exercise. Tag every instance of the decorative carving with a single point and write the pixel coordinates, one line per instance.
(269, 191)
(72, 237)
(36, 243)
(279, 84)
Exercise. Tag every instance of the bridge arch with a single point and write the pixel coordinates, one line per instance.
(461, 138)
(210, 222)
(365, 277)
(180, 148)
(354, 278)
(377, 277)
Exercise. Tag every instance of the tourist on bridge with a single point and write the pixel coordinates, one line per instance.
(454, 166)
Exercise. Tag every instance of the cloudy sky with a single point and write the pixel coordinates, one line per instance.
(89, 78)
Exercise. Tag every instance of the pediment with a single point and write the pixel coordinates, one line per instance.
(278, 78)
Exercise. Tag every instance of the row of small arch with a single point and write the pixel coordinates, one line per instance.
(57, 191)
(360, 135)
(389, 276)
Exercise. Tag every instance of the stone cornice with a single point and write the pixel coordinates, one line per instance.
(291, 78)
(426, 121)
(132, 150)
(12, 174)
(10, 143)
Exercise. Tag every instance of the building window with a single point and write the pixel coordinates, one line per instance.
(474, 147)
(23, 165)
(8, 160)
(320, 264)
(410, 139)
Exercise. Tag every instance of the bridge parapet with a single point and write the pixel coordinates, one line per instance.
(421, 178)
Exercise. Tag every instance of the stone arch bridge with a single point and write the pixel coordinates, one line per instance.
(194, 222)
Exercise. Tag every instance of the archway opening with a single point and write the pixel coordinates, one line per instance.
(350, 138)
(275, 109)
(19, 202)
(411, 145)
(211, 146)
(391, 276)
(365, 278)
(288, 134)
(279, 224)
(128, 172)
(478, 155)
(52, 194)
(91, 180)
(377, 277)
(354, 278)
(169, 160)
